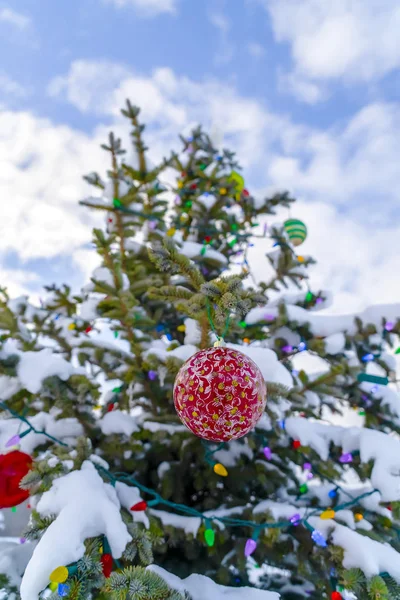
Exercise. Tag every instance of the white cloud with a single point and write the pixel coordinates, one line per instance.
(220, 21)
(98, 77)
(304, 89)
(171, 103)
(256, 50)
(357, 262)
(147, 8)
(225, 50)
(10, 87)
(355, 166)
(14, 18)
(42, 183)
(15, 280)
(357, 160)
(347, 177)
(351, 40)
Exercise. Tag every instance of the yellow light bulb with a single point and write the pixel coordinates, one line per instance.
(71, 326)
(223, 191)
(59, 575)
(327, 514)
(301, 259)
(171, 231)
(53, 586)
(180, 184)
(220, 470)
(358, 517)
(181, 328)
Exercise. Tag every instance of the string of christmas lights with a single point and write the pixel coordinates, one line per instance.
(296, 519)
(60, 575)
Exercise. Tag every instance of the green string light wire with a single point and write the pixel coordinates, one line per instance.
(225, 520)
(227, 323)
(209, 452)
(187, 510)
(31, 427)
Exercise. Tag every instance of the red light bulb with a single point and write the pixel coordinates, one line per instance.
(106, 563)
(142, 505)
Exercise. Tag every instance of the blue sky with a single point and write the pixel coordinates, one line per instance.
(306, 92)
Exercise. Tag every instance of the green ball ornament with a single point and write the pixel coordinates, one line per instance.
(296, 230)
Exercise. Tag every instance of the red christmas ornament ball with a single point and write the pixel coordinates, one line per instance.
(336, 596)
(220, 394)
(13, 467)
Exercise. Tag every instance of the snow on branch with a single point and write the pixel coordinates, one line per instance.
(189, 524)
(193, 249)
(383, 449)
(61, 429)
(34, 367)
(118, 422)
(203, 588)
(360, 551)
(324, 325)
(85, 507)
(265, 358)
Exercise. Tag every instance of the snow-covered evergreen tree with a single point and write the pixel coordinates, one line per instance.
(118, 482)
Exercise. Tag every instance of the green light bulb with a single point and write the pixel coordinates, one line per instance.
(209, 536)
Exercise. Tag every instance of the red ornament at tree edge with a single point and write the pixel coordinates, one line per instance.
(220, 394)
(13, 467)
(336, 596)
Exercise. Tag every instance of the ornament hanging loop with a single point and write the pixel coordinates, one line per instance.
(220, 343)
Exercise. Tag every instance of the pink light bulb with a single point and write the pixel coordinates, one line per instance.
(347, 457)
(13, 441)
(267, 453)
(251, 545)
